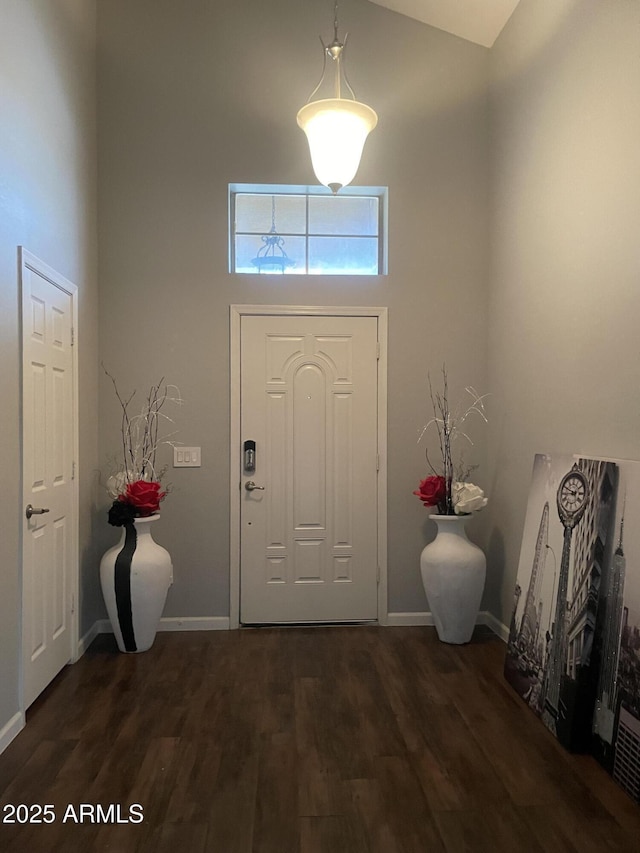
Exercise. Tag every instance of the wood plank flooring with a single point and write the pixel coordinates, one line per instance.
(303, 740)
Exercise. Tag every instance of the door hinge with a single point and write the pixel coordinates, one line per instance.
(73, 336)
(73, 470)
(377, 461)
(378, 349)
(73, 604)
(378, 574)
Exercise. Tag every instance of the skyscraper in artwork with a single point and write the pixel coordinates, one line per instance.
(604, 717)
(529, 626)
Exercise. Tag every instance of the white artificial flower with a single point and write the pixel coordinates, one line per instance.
(467, 498)
(117, 485)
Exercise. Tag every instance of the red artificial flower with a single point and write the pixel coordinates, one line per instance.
(432, 490)
(144, 496)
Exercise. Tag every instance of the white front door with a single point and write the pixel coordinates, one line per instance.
(308, 530)
(49, 561)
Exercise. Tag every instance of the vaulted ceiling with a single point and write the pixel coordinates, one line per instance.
(479, 21)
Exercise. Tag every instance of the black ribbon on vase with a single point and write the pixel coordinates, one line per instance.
(122, 582)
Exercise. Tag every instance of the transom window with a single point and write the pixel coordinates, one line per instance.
(289, 230)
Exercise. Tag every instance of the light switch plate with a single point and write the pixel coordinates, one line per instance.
(186, 457)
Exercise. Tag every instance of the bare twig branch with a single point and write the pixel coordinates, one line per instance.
(141, 434)
(448, 425)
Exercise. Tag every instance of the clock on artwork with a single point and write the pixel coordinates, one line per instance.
(572, 497)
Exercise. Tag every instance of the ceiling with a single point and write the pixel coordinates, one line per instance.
(479, 21)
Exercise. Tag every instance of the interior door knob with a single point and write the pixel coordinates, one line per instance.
(250, 486)
(30, 510)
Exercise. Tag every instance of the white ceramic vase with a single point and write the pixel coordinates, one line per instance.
(453, 573)
(135, 576)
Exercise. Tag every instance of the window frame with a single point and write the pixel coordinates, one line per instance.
(380, 193)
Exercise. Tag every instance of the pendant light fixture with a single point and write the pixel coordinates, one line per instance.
(271, 257)
(336, 127)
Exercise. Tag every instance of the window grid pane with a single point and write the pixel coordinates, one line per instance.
(247, 259)
(343, 256)
(306, 234)
(348, 216)
(257, 211)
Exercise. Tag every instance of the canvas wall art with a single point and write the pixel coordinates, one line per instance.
(567, 546)
(573, 653)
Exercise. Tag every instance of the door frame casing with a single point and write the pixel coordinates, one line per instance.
(27, 260)
(236, 314)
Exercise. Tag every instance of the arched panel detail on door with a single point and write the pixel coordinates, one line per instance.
(309, 448)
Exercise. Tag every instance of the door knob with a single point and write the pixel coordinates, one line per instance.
(30, 510)
(250, 486)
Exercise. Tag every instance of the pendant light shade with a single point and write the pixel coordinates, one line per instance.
(336, 130)
(336, 127)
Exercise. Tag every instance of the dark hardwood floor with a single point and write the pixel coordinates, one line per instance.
(319, 740)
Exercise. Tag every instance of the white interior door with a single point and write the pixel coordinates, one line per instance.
(308, 531)
(49, 559)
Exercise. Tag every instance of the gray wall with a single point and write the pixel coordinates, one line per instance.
(47, 204)
(564, 359)
(191, 102)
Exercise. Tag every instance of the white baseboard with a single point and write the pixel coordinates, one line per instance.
(498, 628)
(169, 623)
(425, 618)
(194, 623)
(10, 730)
(97, 628)
(408, 619)
(221, 623)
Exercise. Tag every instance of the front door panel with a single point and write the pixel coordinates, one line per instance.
(309, 537)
